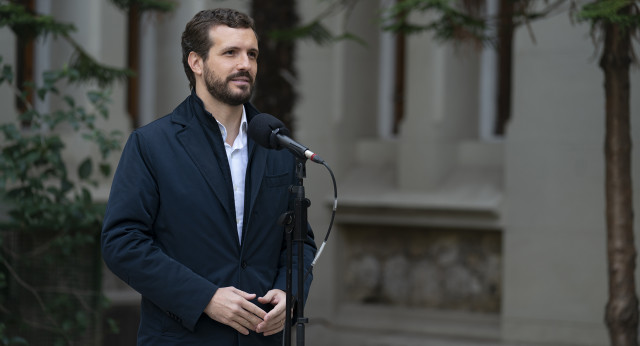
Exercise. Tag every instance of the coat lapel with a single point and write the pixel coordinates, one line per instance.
(209, 156)
(258, 161)
(205, 154)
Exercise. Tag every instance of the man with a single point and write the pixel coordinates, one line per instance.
(191, 221)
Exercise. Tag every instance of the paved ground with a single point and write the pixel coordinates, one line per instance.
(316, 335)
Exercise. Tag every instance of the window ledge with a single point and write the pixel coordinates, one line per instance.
(471, 197)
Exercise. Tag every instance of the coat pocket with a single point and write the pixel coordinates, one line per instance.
(277, 180)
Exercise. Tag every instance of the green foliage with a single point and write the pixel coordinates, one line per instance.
(49, 239)
(28, 25)
(451, 20)
(50, 267)
(83, 68)
(51, 210)
(87, 69)
(316, 31)
(454, 20)
(610, 12)
(146, 5)
(313, 30)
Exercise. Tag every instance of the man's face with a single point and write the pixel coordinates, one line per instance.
(230, 69)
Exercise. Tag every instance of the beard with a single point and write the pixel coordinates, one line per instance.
(220, 89)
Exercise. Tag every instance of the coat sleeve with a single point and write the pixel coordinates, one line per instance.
(128, 246)
(309, 253)
(309, 250)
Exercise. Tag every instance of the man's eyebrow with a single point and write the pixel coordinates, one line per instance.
(226, 48)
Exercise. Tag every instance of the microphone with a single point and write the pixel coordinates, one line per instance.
(270, 132)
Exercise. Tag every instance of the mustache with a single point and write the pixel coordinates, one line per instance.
(241, 74)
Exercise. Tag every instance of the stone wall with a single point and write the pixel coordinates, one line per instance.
(424, 268)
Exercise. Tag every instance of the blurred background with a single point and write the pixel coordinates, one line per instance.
(471, 172)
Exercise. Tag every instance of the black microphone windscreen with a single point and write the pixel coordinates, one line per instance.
(261, 128)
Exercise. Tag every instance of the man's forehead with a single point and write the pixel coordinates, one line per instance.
(222, 33)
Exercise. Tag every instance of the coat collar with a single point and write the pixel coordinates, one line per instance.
(184, 116)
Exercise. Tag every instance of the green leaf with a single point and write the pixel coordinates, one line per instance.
(86, 196)
(10, 132)
(65, 185)
(51, 77)
(28, 115)
(7, 74)
(69, 100)
(105, 169)
(85, 169)
(41, 93)
(95, 96)
(113, 326)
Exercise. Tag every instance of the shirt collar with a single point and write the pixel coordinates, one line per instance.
(242, 134)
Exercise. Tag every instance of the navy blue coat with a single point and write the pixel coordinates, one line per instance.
(170, 226)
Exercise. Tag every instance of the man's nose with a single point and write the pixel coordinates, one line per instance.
(244, 62)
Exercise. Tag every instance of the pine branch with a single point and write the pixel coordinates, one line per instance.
(86, 69)
(316, 31)
(600, 13)
(610, 12)
(29, 25)
(452, 20)
(146, 5)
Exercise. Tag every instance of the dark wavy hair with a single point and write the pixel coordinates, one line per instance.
(195, 37)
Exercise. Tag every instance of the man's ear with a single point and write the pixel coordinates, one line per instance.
(195, 62)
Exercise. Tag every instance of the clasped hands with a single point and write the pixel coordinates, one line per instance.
(233, 307)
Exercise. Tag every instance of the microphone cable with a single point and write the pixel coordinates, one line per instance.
(333, 215)
(269, 132)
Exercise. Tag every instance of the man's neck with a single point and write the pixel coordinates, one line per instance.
(229, 116)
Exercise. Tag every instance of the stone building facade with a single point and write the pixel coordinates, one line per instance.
(442, 231)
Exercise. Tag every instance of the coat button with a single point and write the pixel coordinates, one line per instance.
(244, 264)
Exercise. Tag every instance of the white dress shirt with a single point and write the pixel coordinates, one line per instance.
(238, 156)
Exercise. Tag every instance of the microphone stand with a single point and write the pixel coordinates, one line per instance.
(295, 232)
